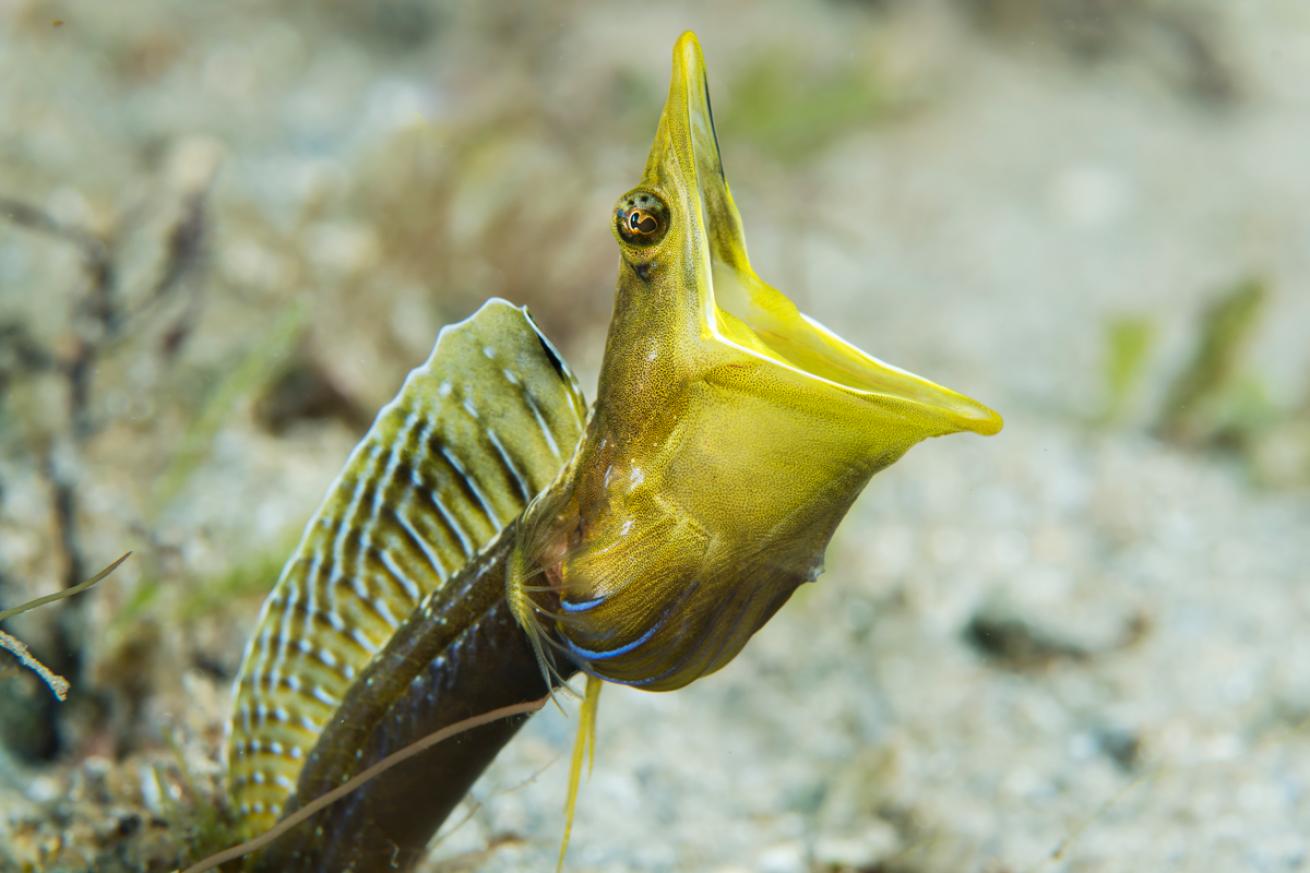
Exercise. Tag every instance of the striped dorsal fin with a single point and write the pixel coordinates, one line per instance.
(473, 435)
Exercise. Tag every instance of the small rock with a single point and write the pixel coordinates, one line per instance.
(781, 858)
(860, 850)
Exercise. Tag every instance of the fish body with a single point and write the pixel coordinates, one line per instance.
(491, 535)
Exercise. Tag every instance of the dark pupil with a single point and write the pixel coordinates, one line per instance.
(642, 222)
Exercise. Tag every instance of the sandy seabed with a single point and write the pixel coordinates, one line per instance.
(1077, 646)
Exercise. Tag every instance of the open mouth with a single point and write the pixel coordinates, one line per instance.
(740, 309)
(764, 322)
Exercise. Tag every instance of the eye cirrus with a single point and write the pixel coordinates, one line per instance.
(641, 218)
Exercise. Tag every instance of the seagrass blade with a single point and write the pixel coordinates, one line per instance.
(472, 437)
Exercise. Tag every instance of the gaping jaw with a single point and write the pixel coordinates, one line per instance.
(729, 437)
(733, 306)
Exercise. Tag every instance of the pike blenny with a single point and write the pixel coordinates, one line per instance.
(492, 535)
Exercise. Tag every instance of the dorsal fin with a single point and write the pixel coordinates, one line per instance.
(473, 435)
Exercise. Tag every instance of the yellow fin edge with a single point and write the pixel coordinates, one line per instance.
(583, 746)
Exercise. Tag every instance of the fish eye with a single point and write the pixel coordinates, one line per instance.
(641, 218)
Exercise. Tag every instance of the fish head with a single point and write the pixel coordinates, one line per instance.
(730, 435)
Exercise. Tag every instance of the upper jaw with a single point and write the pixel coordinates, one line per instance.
(738, 309)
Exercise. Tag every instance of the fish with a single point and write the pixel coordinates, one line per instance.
(493, 534)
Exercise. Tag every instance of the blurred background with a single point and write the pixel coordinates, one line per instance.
(228, 230)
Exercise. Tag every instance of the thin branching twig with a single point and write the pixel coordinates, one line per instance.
(102, 319)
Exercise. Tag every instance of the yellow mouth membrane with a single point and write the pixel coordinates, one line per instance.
(744, 311)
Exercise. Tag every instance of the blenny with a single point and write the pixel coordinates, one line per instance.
(491, 535)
